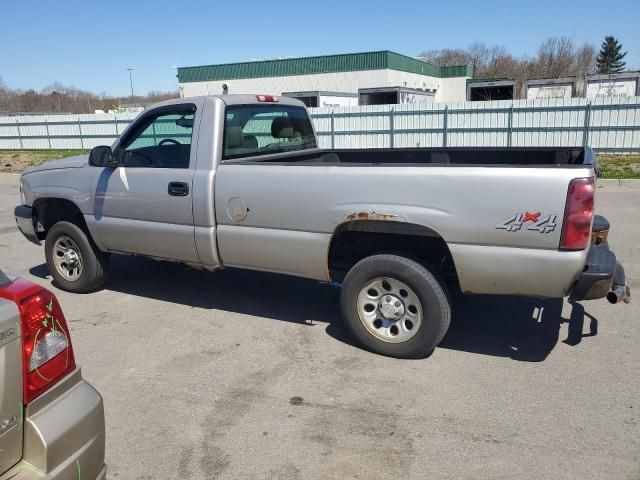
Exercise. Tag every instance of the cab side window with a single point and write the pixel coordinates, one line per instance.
(161, 141)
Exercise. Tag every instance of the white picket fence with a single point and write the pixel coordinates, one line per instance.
(607, 124)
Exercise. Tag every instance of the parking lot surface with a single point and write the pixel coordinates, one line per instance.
(244, 375)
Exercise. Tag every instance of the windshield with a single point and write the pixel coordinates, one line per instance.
(252, 130)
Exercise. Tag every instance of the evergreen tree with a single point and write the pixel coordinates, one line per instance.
(610, 57)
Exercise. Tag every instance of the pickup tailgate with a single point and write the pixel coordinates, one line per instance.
(10, 385)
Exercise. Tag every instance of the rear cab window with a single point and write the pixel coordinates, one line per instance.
(255, 130)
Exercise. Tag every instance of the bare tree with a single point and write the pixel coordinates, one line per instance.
(499, 63)
(556, 57)
(446, 57)
(585, 60)
(487, 62)
(61, 98)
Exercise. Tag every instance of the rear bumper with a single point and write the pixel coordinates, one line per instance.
(23, 471)
(64, 434)
(603, 276)
(24, 220)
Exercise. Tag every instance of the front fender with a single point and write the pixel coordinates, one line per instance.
(66, 184)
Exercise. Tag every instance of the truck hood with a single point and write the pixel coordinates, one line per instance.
(70, 162)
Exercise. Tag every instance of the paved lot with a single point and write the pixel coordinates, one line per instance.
(237, 375)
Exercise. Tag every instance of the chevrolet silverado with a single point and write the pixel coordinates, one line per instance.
(239, 181)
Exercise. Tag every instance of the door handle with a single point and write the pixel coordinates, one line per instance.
(178, 189)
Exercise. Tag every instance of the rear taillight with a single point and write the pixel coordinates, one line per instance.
(578, 215)
(47, 353)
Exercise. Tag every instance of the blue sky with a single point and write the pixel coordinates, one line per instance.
(89, 44)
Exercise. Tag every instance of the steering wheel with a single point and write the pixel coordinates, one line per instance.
(169, 140)
(273, 144)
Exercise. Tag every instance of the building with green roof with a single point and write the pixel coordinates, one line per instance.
(345, 73)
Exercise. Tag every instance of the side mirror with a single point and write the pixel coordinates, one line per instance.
(185, 122)
(102, 156)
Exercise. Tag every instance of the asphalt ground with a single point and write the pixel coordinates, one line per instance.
(244, 375)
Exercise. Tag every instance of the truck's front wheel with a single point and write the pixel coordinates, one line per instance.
(395, 306)
(74, 261)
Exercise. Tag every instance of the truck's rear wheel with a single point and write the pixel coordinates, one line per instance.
(74, 261)
(395, 306)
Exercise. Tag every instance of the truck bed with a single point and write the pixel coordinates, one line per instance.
(465, 196)
(529, 157)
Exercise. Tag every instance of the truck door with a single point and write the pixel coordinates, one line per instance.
(10, 385)
(145, 205)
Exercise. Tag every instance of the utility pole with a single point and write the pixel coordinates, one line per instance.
(131, 81)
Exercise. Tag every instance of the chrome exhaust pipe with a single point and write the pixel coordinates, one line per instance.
(620, 291)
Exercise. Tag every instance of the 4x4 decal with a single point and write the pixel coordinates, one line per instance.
(529, 221)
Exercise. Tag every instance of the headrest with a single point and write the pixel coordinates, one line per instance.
(281, 127)
(233, 137)
(250, 141)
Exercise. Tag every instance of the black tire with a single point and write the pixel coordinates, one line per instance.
(430, 292)
(95, 263)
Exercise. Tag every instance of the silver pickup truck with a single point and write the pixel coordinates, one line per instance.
(239, 181)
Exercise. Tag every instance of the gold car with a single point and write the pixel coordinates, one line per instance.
(51, 420)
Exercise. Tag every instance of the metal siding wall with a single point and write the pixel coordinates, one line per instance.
(9, 133)
(63, 132)
(613, 126)
(552, 114)
(332, 82)
(418, 125)
(370, 122)
(322, 124)
(452, 90)
(447, 89)
(615, 111)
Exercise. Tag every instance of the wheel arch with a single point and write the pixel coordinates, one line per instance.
(357, 238)
(50, 210)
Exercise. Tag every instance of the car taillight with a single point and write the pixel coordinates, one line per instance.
(47, 353)
(578, 214)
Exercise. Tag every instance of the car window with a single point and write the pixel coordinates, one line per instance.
(162, 141)
(252, 130)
